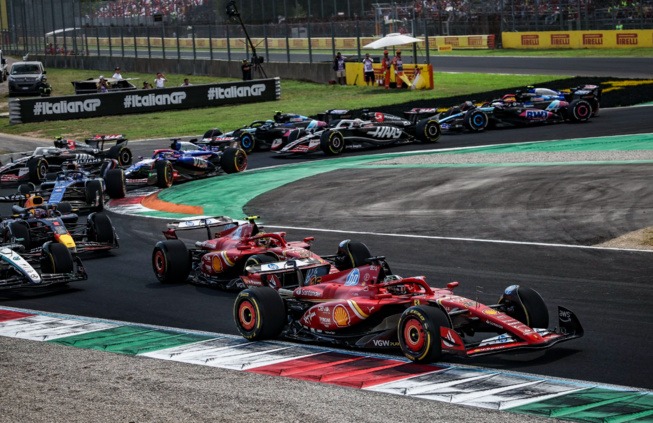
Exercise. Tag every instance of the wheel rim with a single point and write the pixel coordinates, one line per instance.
(582, 111)
(159, 263)
(247, 315)
(478, 120)
(43, 169)
(124, 158)
(414, 335)
(246, 142)
(432, 130)
(336, 143)
(241, 162)
(168, 175)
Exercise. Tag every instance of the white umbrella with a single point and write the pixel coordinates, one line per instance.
(392, 40)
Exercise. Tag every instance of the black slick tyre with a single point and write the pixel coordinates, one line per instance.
(164, 173)
(122, 153)
(95, 195)
(526, 305)
(100, 228)
(475, 120)
(332, 142)
(579, 111)
(171, 261)
(20, 234)
(233, 160)
(247, 141)
(418, 332)
(428, 130)
(38, 168)
(259, 313)
(56, 258)
(115, 182)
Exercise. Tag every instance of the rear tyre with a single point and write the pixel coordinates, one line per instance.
(56, 258)
(171, 261)
(38, 167)
(419, 333)
(579, 111)
(428, 130)
(115, 181)
(526, 305)
(122, 153)
(64, 208)
(475, 120)
(27, 188)
(164, 173)
(107, 165)
(332, 142)
(259, 313)
(233, 160)
(95, 195)
(100, 228)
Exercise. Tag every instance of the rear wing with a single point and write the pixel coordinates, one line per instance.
(99, 140)
(199, 223)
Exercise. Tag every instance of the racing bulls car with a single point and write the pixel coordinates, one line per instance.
(378, 130)
(91, 155)
(231, 247)
(53, 265)
(365, 306)
(184, 161)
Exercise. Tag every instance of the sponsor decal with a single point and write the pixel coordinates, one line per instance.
(308, 317)
(491, 323)
(217, 93)
(326, 322)
(626, 39)
(386, 132)
(341, 316)
(565, 316)
(592, 39)
(475, 41)
(490, 312)
(310, 275)
(272, 266)
(452, 41)
(309, 293)
(510, 289)
(384, 343)
(448, 341)
(353, 278)
(149, 100)
(530, 40)
(501, 339)
(560, 39)
(378, 117)
(323, 309)
(64, 106)
(536, 114)
(273, 281)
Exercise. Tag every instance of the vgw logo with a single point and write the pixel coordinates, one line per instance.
(386, 132)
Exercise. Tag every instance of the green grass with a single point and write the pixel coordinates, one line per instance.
(297, 97)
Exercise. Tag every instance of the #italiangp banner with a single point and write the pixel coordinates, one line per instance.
(578, 39)
(142, 101)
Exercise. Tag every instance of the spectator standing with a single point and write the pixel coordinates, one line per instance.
(398, 63)
(246, 67)
(186, 83)
(339, 67)
(116, 74)
(102, 85)
(146, 85)
(368, 68)
(160, 80)
(385, 68)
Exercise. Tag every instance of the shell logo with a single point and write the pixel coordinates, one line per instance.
(217, 263)
(491, 312)
(340, 315)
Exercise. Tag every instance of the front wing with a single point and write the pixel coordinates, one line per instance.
(569, 327)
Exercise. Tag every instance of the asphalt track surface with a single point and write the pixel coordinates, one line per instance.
(578, 66)
(609, 289)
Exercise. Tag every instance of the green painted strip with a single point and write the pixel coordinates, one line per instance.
(228, 194)
(130, 340)
(593, 405)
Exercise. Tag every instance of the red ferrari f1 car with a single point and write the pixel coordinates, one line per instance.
(231, 247)
(364, 305)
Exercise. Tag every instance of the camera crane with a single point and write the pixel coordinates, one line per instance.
(232, 11)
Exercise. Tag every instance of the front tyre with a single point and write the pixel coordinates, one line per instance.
(419, 333)
(171, 261)
(100, 228)
(247, 141)
(475, 120)
(164, 173)
(259, 313)
(56, 258)
(332, 142)
(526, 305)
(115, 181)
(428, 130)
(38, 168)
(95, 195)
(233, 160)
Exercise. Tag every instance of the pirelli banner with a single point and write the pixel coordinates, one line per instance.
(142, 101)
(578, 39)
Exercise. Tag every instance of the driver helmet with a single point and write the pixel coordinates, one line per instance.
(72, 166)
(395, 289)
(40, 213)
